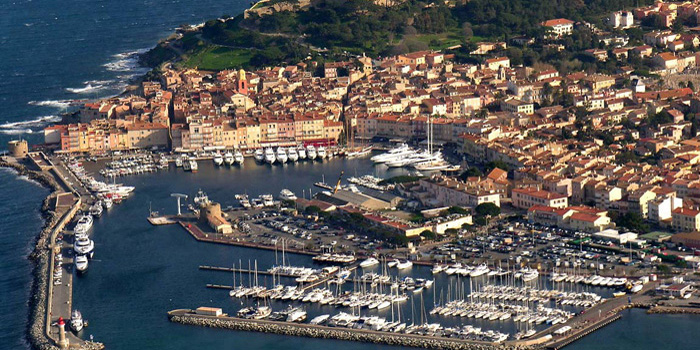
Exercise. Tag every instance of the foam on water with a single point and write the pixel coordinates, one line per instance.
(28, 126)
(61, 104)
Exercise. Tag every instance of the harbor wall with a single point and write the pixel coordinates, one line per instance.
(314, 331)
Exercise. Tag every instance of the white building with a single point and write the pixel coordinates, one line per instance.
(621, 19)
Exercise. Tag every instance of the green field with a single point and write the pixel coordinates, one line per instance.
(441, 41)
(219, 58)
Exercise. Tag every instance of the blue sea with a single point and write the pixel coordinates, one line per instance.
(54, 52)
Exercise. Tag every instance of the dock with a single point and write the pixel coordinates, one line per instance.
(314, 284)
(162, 220)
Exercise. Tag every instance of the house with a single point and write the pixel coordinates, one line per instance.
(498, 62)
(667, 61)
(559, 27)
(514, 105)
(686, 219)
(621, 19)
(524, 198)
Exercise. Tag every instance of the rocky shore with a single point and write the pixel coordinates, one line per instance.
(335, 333)
(39, 257)
(674, 310)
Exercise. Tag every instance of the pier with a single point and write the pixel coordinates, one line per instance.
(311, 285)
(188, 317)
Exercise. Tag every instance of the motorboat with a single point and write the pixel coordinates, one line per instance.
(218, 159)
(292, 154)
(301, 151)
(636, 288)
(320, 319)
(96, 210)
(321, 152)
(238, 157)
(201, 198)
(81, 263)
(270, 156)
(296, 315)
(281, 155)
(479, 270)
(393, 154)
(404, 264)
(186, 165)
(228, 158)
(259, 155)
(107, 203)
(178, 162)
(369, 262)
(193, 166)
(287, 195)
(529, 275)
(76, 321)
(84, 224)
(84, 246)
(311, 152)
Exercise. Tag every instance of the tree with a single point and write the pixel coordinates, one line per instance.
(489, 209)
(427, 234)
(496, 164)
(471, 172)
(312, 210)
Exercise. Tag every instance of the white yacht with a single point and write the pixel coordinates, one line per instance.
(292, 154)
(84, 246)
(529, 274)
(238, 157)
(81, 263)
(320, 319)
(369, 262)
(228, 158)
(415, 158)
(84, 224)
(321, 153)
(479, 270)
(287, 195)
(404, 264)
(218, 159)
(96, 210)
(281, 155)
(76, 321)
(296, 315)
(393, 154)
(107, 203)
(302, 152)
(259, 155)
(311, 152)
(270, 156)
(178, 162)
(194, 166)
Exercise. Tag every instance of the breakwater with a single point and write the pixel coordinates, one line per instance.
(313, 331)
(39, 326)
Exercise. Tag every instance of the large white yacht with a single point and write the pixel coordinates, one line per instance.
(369, 262)
(281, 155)
(270, 156)
(393, 154)
(259, 155)
(238, 157)
(321, 152)
(287, 195)
(302, 152)
(81, 263)
(84, 224)
(84, 246)
(228, 158)
(218, 159)
(194, 166)
(292, 154)
(311, 152)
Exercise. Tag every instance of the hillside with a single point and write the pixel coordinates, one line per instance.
(287, 31)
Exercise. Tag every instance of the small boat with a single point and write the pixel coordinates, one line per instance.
(238, 157)
(178, 162)
(296, 315)
(619, 294)
(107, 203)
(287, 195)
(259, 155)
(81, 263)
(636, 288)
(369, 262)
(193, 166)
(76, 321)
(84, 224)
(228, 158)
(218, 159)
(404, 264)
(270, 156)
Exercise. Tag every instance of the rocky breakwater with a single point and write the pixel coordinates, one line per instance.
(40, 258)
(313, 331)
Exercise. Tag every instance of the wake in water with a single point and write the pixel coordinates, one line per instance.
(91, 86)
(28, 126)
(60, 104)
(127, 62)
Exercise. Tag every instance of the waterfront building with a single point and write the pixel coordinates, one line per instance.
(526, 198)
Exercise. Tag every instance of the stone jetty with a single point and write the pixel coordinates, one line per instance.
(188, 317)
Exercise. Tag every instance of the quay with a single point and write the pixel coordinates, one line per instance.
(314, 284)
(201, 236)
(188, 317)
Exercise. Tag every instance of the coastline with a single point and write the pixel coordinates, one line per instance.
(37, 327)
